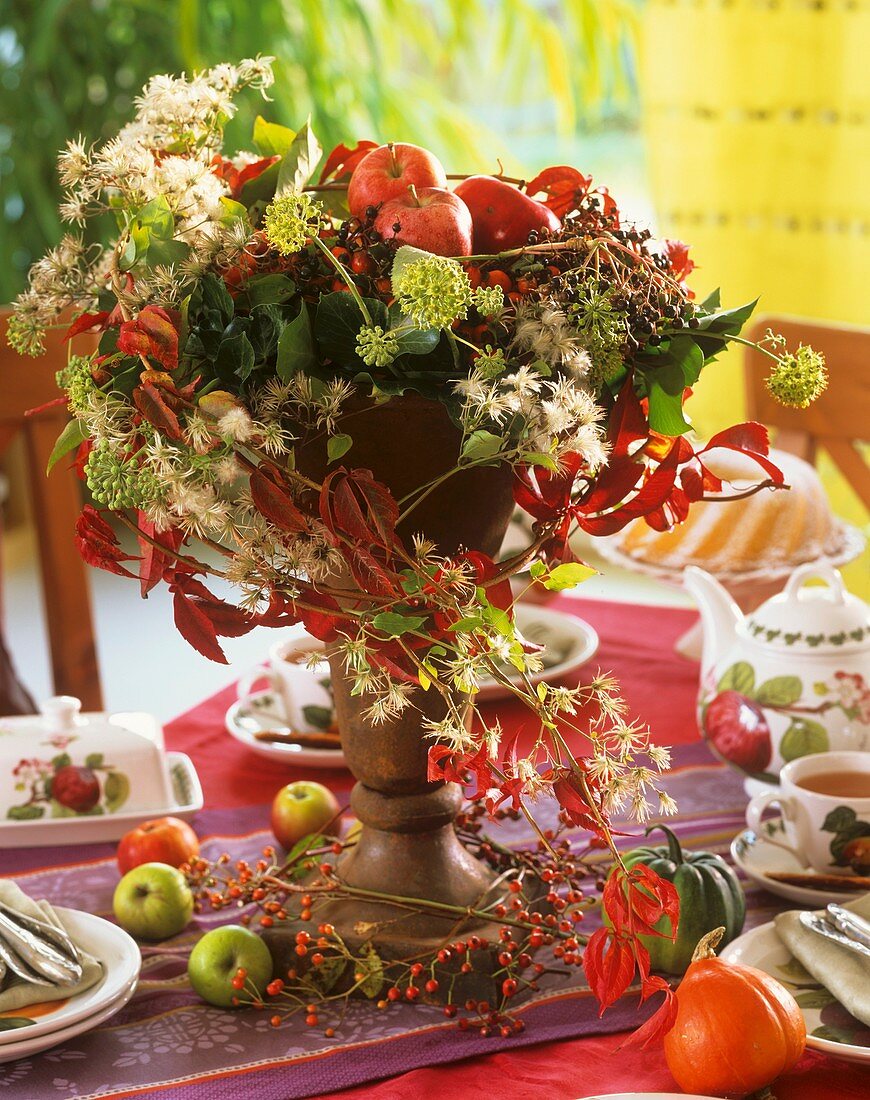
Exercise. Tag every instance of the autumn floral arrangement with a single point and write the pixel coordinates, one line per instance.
(249, 307)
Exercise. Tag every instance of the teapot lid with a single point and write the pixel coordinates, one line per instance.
(813, 618)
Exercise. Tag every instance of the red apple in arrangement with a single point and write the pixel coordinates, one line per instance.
(502, 215)
(301, 809)
(75, 787)
(428, 218)
(736, 727)
(163, 840)
(386, 173)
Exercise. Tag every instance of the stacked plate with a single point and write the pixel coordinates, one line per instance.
(22, 1035)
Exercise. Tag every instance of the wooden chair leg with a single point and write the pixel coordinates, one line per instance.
(67, 603)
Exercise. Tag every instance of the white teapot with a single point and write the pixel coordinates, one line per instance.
(788, 679)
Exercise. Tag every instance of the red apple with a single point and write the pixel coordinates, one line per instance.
(300, 809)
(386, 173)
(76, 788)
(429, 218)
(503, 216)
(163, 840)
(737, 729)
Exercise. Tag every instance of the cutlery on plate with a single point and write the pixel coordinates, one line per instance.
(36, 950)
(822, 927)
(849, 923)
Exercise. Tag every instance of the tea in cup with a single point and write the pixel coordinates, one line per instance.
(304, 691)
(825, 804)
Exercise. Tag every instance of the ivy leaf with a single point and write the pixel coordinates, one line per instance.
(739, 677)
(269, 290)
(802, 738)
(338, 445)
(235, 357)
(297, 165)
(779, 691)
(481, 445)
(271, 139)
(296, 346)
(71, 437)
(338, 321)
(369, 964)
(727, 322)
(568, 575)
(404, 257)
(394, 624)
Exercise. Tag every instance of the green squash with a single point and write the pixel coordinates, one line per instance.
(710, 897)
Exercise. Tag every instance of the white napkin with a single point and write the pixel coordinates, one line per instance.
(17, 993)
(844, 973)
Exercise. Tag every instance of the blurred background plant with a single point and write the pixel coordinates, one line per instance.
(473, 80)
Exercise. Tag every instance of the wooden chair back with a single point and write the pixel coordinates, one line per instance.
(55, 502)
(840, 419)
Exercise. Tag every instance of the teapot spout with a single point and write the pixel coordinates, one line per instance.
(720, 615)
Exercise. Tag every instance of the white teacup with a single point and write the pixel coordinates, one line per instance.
(825, 827)
(303, 690)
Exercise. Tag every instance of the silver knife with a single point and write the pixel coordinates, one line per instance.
(850, 924)
(822, 927)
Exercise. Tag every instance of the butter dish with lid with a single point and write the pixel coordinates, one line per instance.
(68, 777)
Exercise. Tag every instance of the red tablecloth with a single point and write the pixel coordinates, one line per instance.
(637, 645)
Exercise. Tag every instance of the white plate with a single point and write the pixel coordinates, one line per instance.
(829, 1026)
(264, 710)
(186, 790)
(755, 858)
(570, 642)
(121, 961)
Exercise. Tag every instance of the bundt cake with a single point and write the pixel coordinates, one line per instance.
(766, 532)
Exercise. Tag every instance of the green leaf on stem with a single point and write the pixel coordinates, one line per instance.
(338, 322)
(296, 351)
(297, 165)
(272, 139)
(394, 624)
(71, 437)
(568, 575)
(481, 445)
(338, 445)
(265, 290)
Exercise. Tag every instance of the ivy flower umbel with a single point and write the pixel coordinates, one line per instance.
(488, 300)
(375, 347)
(797, 380)
(433, 291)
(290, 221)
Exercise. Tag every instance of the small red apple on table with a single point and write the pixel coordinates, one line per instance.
(163, 840)
(429, 218)
(386, 173)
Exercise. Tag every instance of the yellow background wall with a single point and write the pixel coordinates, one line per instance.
(757, 119)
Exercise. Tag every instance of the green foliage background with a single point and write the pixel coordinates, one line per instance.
(474, 80)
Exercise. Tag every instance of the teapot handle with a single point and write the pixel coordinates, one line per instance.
(824, 572)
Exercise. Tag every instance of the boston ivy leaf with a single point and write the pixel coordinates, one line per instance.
(296, 350)
(271, 139)
(338, 445)
(394, 624)
(481, 445)
(568, 575)
(338, 321)
(71, 437)
(297, 165)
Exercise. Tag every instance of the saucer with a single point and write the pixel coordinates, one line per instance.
(263, 711)
(830, 1028)
(755, 858)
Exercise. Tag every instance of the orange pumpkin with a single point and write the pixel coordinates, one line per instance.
(736, 1029)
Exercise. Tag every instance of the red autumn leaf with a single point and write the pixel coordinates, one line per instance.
(618, 478)
(273, 501)
(154, 334)
(662, 1020)
(81, 457)
(196, 627)
(563, 187)
(499, 595)
(572, 798)
(650, 898)
(53, 404)
(627, 423)
(752, 440)
(227, 620)
(154, 561)
(354, 504)
(151, 403)
(442, 766)
(677, 253)
(652, 495)
(87, 322)
(608, 962)
(98, 544)
(369, 573)
(342, 160)
(546, 494)
(248, 173)
(323, 618)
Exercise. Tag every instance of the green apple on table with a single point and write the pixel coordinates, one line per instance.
(301, 809)
(153, 901)
(217, 958)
